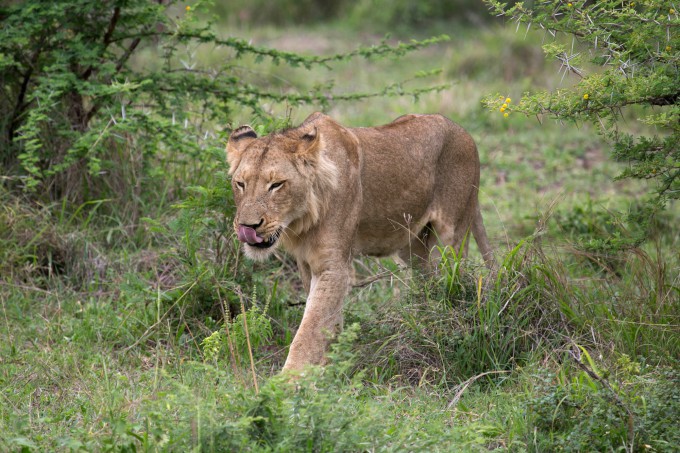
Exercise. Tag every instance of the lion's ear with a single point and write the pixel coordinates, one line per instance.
(310, 144)
(239, 140)
(313, 118)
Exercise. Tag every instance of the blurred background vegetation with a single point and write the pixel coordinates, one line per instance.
(125, 298)
(375, 16)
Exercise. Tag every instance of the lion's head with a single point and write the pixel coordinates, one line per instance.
(281, 185)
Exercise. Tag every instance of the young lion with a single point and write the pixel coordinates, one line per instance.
(327, 193)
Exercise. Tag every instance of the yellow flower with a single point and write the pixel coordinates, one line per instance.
(585, 96)
(188, 8)
(505, 115)
(569, 5)
(508, 100)
(671, 11)
(502, 109)
(668, 48)
(505, 106)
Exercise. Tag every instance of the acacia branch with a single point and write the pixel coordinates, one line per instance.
(112, 26)
(19, 108)
(121, 62)
(20, 104)
(128, 52)
(242, 46)
(107, 40)
(591, 107)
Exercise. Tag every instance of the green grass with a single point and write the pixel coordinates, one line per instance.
(102, 321)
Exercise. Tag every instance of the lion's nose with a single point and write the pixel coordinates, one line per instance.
(253, 225)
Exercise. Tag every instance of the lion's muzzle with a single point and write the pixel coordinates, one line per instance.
(249, 235)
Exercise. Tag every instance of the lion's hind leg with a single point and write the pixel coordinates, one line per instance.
(416, 253)
(447, 234)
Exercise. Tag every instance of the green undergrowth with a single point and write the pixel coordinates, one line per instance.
(148, 350)
(137, 325)
(528, 357)
(145, 348)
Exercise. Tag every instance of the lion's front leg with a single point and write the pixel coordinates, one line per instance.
(322, 319)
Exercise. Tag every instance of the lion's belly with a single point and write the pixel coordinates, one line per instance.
(384, 232)
(398, 185)
(367, 242)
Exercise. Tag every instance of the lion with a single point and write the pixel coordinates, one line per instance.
(326, 193)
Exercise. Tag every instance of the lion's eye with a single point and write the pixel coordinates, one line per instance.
(240, 185)
(275, 185)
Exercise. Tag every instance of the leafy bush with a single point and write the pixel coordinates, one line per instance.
(635, 56)
(84, 117)
(599, 230)
(241, 336)
(603, 237)
(582, 413)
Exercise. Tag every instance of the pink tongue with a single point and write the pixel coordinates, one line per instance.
(247, 234)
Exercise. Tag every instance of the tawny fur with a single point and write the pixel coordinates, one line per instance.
(403, 188)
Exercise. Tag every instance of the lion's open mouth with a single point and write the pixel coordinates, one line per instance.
(268, 242)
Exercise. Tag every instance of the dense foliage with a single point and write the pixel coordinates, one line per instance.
(81, 103)
(633, 51)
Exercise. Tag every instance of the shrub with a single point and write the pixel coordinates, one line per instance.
(602, 237)
(459, 325)
(575, 412)
(634, 52)
(86, 116)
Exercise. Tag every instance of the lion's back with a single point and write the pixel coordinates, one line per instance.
(402, 173)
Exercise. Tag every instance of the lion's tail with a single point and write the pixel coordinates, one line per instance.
(479, 232)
